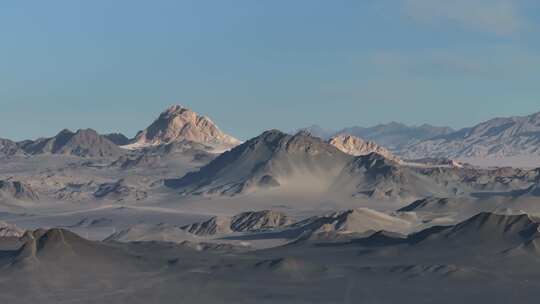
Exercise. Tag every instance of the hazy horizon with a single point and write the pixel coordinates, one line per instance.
(115, 66)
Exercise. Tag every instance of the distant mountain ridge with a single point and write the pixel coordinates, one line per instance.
(394, 136)
(497, 141)
(495, 138)
(281, 163)
(9, 148)
(357, 147)
(83, 143)
(118, 139)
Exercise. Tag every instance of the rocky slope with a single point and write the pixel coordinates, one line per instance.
(118, 139)
(156, 156)
(17, 190)
(83, 143)
(244, 222)
(9, 148)
(375, 177)
(181, 124)
(483, 229)
(359, 220)
(119, 191)
(307, 164)
(356, 146)
(268, 161)
(496, 138)
(396, 136)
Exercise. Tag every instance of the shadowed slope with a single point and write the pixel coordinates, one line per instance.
(270, 160)
(83, 143)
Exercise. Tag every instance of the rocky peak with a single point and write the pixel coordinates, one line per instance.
(356, 146)
(178, 123)
(83, 143)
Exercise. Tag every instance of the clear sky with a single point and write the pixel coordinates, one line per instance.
(253, 65)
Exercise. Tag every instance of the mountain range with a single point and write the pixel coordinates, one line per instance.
(507, 141)
(185, 211)
(495, 138)
(356, 146)
(394, 136)
(513, 141)
(270, 160)
(283, 163)
(176, 126)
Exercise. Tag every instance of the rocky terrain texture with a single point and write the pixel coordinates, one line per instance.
(394, 136)
(312, 220)
(276, 160)
(360, 220)
(181, 124)
(244, 222)
(83, 143)
(119, 191)
(266, 161)
(481, 259)
(356, 146)
(499, 138)
(17, 190)
(9, 148)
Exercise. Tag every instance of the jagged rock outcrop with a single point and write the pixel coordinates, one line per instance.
(356, 146)
(243, 222)
(17, 190)
(83, 143)
(9, 230)
(120, 191)
(359, 220)
(178, 123)
(215, 225)
(259, 220)
(9, 148)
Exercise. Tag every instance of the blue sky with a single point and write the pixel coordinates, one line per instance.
(254, 65)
